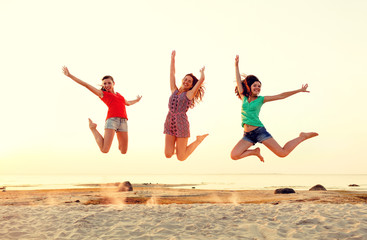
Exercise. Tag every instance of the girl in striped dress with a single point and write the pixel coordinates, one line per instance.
(176, 126)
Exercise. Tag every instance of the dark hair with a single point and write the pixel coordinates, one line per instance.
(104, 78)
(199, 93)
(246, 85)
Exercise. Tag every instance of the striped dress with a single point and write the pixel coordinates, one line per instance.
(177, 123)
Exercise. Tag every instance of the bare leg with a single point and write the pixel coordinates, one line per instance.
(241, 150)
(184, 151)
(169, 148)
(122, 137)
(104, 143)
(289, 146)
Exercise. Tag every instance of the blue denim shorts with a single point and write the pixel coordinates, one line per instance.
(117, 124)
(257, 135)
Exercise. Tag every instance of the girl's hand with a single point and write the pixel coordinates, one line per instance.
(202, 77)
(138, 98)
(304, 88)
(66, 71)
(236, 60)
(202, 70)
(173, 55)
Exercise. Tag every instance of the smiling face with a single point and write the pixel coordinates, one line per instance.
(255, 88)
(187, 82)
(108, 84)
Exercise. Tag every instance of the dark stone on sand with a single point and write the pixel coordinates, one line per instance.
(284, 191)
(125, 187)
(353, 185)
(318, 187)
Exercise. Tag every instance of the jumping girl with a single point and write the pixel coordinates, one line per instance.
(248, 91)
(116, 120)
(176, 126)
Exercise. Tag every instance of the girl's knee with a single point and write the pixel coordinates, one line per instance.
(282, 154)
(105, 150)
(168, 154)
(234, 157)
(123, 149)
(181, 156)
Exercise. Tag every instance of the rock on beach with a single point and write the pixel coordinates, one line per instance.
(318, 187)
(284, 191)
(125, 187)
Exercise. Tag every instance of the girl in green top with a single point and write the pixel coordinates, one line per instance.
(248, 91)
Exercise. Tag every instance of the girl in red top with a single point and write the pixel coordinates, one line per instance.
(116, 120)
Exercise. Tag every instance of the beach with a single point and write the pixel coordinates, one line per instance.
(159, 211)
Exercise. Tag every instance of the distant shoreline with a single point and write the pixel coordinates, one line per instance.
(204, 182)
(201, 186)
(166, 194)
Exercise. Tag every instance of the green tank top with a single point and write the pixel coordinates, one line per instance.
(250, 111)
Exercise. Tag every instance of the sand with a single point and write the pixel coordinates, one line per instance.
(158, 212)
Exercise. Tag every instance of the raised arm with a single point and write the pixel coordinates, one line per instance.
(286, 94)
(238, 77)
(94, 90)
(172, 72)
(191, 94)
(129, 103)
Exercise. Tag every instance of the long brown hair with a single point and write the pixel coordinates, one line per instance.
(246, 85)
(199, 93)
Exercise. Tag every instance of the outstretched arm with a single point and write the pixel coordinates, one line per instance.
(94, 90)
(191, 94)
(172, 72)
(238, 76)
(128, 103)
(286, 94)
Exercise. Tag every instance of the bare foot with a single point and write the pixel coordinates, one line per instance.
(92, 125)
(308, 135)
(257, 153)
(200, 138)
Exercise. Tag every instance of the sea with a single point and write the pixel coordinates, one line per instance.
(197, 181)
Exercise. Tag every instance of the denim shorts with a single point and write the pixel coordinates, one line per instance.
(257, 135)
(117, 124)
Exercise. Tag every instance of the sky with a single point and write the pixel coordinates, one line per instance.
(285, 43)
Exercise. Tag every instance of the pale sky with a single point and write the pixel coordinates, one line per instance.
(44, 126)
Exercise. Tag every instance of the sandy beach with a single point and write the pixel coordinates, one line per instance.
(162, 212)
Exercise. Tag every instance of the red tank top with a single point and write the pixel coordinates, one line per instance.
(116, 105)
